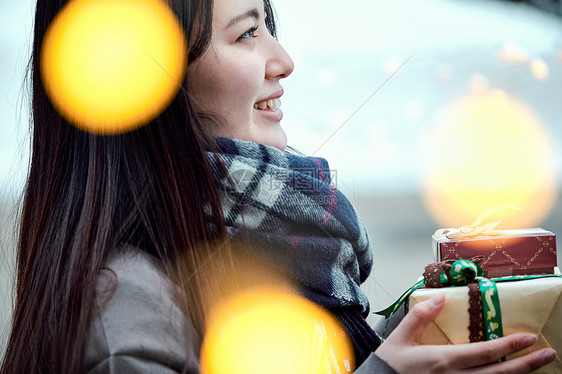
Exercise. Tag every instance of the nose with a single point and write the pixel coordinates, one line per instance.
(279, 63)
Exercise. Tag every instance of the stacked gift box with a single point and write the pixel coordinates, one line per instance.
(529, 287)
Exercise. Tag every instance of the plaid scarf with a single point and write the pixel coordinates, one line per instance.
(290, 210)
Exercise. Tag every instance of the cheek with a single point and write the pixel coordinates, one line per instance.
(224, 84)
(240, 81)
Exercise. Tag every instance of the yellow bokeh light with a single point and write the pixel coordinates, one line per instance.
(512, 52)
(272, 330)
(110, 66)
(540, 69)
(488, 149)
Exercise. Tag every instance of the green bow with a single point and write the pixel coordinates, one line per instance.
(462, 272)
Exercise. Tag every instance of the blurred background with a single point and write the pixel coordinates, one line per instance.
(428, 112)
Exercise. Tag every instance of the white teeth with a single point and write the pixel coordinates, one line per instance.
(270, 104)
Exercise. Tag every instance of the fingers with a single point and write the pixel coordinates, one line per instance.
(402, 351)
(413, 324)
(482, 353)
(520, 365)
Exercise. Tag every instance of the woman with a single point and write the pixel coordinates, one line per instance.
(122, 244)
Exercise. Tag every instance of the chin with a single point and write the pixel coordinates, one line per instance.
(279, 141)
(276, 138)
(279, 145)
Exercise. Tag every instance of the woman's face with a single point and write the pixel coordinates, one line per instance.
(238, 76)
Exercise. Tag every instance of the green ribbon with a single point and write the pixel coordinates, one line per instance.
(389, 312)
(491, 309)
(524, 277)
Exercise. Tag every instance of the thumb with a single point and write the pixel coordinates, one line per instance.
(413, 324)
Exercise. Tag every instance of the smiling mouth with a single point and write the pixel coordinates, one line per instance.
(271, 104)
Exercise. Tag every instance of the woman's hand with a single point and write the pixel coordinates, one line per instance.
(402, 352)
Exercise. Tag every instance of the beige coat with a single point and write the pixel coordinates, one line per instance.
(140, 329)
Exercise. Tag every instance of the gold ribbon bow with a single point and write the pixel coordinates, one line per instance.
(477, 228)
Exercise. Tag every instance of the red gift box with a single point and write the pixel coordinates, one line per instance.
(507, 252)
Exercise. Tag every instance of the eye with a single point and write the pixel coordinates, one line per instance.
(250, 34)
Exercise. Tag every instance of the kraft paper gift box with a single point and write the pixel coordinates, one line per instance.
(533, 305)
(507, 252)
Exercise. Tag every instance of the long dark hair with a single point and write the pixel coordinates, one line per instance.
(86, 195)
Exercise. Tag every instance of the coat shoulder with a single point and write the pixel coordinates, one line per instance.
(137, 322)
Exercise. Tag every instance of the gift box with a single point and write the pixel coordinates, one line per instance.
(532, 305)
(506, 252)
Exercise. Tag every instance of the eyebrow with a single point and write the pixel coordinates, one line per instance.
(252, 13)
